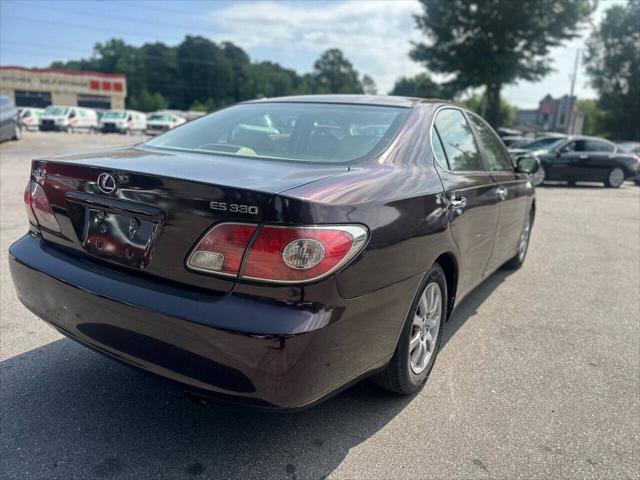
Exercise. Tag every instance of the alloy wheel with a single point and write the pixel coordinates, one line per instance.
(616, 177)
(425, 327)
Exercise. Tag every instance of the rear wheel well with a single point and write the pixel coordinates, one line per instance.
(450, 266)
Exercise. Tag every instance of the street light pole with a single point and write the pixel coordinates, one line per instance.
(571, 99)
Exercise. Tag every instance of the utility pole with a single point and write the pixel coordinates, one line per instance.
(573, 86)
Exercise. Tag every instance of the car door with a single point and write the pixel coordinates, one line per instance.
(568, 164)
(595, 162)
(511, 191)
(470, 193)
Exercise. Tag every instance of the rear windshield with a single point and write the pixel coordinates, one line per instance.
(303, 132)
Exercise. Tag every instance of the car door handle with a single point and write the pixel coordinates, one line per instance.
(502, 193)
(457, 203)
(583, 157)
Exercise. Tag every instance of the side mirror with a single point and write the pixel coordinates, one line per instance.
(528, 165)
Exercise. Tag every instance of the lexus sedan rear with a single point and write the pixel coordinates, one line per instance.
(276, 251)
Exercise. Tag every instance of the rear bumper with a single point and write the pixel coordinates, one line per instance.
(271, 354)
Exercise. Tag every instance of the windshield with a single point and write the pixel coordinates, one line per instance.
(113, 114)
(542, 144)
(159, 118)
(56, 111)
(304, 132)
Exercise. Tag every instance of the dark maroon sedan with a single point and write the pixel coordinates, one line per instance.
(277, 251)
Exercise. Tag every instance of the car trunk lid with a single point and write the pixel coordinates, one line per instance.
(144, 209)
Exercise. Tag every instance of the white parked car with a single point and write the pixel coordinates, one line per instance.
(68, 119)
(30, 117)
(161, 122)
(123, 121)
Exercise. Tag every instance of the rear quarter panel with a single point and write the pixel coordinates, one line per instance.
(398, 196)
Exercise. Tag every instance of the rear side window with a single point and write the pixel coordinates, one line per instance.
(495, 154)
(438, 150)
(302, 132)
(597, 146)
(458, 142)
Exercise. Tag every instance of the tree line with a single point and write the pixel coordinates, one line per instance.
(199, 74)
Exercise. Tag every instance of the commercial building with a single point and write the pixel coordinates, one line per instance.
(552, 115)
(41, 87)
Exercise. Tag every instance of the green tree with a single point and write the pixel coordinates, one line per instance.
(369, 85)
(593, 117)
(494, 43)
(420, 86)
(202, 75)
(147, 102)
(158, 70)
(478, 103)
(205, 72)
(333, 73)
(266, 79)
(613, 63)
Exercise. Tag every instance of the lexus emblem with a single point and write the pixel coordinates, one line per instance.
(107, 183)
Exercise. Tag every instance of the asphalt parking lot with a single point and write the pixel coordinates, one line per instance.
(538, 377)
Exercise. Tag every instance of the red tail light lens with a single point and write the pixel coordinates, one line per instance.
(27, 204)
(38, 208)
(301, 254)
(277, 254)
(221, 249)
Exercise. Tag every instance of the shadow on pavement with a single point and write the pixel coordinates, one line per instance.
(470, 304)
(67, 412)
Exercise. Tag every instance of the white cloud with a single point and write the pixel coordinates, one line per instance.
(375, 36)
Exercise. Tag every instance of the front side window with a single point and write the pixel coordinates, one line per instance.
(576, 146)
(495, 155)
(302, 132)
(458, 142)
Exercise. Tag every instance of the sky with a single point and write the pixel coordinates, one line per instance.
(375, 36)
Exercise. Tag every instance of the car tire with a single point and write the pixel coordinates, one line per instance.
(538, 178)
(523, 246)
(17, 132)
(409, 368)
(615, 178)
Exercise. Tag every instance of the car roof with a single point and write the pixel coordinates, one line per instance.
(381, 100)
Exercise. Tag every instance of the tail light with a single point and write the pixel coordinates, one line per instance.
(277, 254)
(221, 249)
(38, 208)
